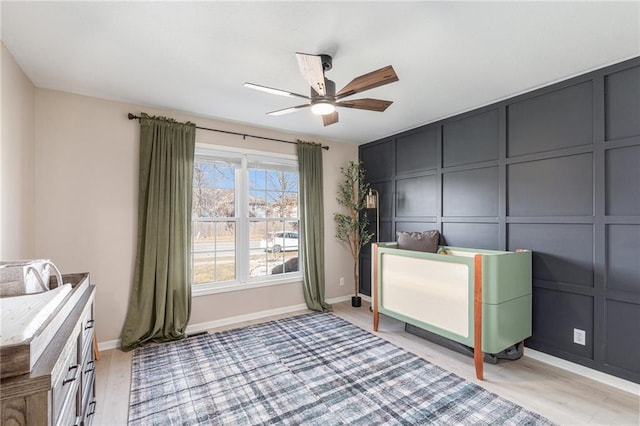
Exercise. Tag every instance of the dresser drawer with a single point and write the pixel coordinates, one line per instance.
(88, 379)
(90, 414)
(69, 414)
(88, 324)
(66, 381)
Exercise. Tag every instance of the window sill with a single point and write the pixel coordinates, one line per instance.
(207, 289)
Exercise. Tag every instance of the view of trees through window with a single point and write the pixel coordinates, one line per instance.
(235, 242)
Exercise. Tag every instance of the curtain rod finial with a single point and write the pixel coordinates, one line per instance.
(131, 116)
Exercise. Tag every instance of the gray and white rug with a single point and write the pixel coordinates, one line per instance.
(313, 369)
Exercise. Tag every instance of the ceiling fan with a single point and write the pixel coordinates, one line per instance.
(323, 97)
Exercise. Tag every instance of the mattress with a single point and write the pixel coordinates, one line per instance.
(22, 316)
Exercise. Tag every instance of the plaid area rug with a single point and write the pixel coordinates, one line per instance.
(313, 369)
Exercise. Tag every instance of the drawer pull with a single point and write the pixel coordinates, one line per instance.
(92, 404)
(89, 324)
(93, 367)
(72, 368)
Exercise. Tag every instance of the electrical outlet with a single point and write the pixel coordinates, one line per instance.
(341, 281)
(579, 337)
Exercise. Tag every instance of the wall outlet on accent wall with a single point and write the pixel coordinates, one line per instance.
(579, 337)
(341, 281)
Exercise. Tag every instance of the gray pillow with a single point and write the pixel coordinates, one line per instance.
(419, 241)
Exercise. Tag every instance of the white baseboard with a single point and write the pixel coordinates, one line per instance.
(109, 344)
(338, 299)
(365, 298)
(196, 328)
(346, 298)
(581, 370)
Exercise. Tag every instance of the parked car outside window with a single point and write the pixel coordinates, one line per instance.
(280, 241)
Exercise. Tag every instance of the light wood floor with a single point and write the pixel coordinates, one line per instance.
(562, 397)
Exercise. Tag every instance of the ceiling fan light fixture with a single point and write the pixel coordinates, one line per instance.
(323, 108)
(323, 99)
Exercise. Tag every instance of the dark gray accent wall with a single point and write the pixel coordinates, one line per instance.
(556, 171)
(416, 152)
(560, 186)
(470, 192)
(621, 167)
(470, 139)
(550, 121)
(622, 103)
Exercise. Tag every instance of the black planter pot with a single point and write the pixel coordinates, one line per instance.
(356, 301)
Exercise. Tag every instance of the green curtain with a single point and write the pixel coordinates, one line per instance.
(160, 300)
(312, 224)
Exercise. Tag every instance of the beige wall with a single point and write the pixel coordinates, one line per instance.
(17, 191)
(86, 192)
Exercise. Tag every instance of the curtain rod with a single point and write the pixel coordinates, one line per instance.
(244, 135)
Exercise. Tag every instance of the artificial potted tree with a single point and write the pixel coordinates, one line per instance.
(351, 227)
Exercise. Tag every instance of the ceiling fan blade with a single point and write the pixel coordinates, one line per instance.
(312, 71)
(288, 110)
(368, 81)
(330, 118)
(274, 91)
(367, 103)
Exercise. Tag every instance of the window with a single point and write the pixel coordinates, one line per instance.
(245, 220)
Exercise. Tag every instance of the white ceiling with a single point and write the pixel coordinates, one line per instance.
(195, 56)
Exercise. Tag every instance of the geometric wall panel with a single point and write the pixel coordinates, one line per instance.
(623, 344)
(561, 252)
(560, 119)
(622, 180)
(416, 152)
(414, 227)
(416, 196)
(470, 140)
(470, 192)
(622, 104)
(364, 269)
(561, 186)
(475, 235)
(386, 233)
(385, 200)
(376, 160)
(623, 258)
(556, 314)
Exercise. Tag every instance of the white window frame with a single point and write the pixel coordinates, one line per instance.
(242, 221)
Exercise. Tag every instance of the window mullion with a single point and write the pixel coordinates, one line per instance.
(242, 214)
